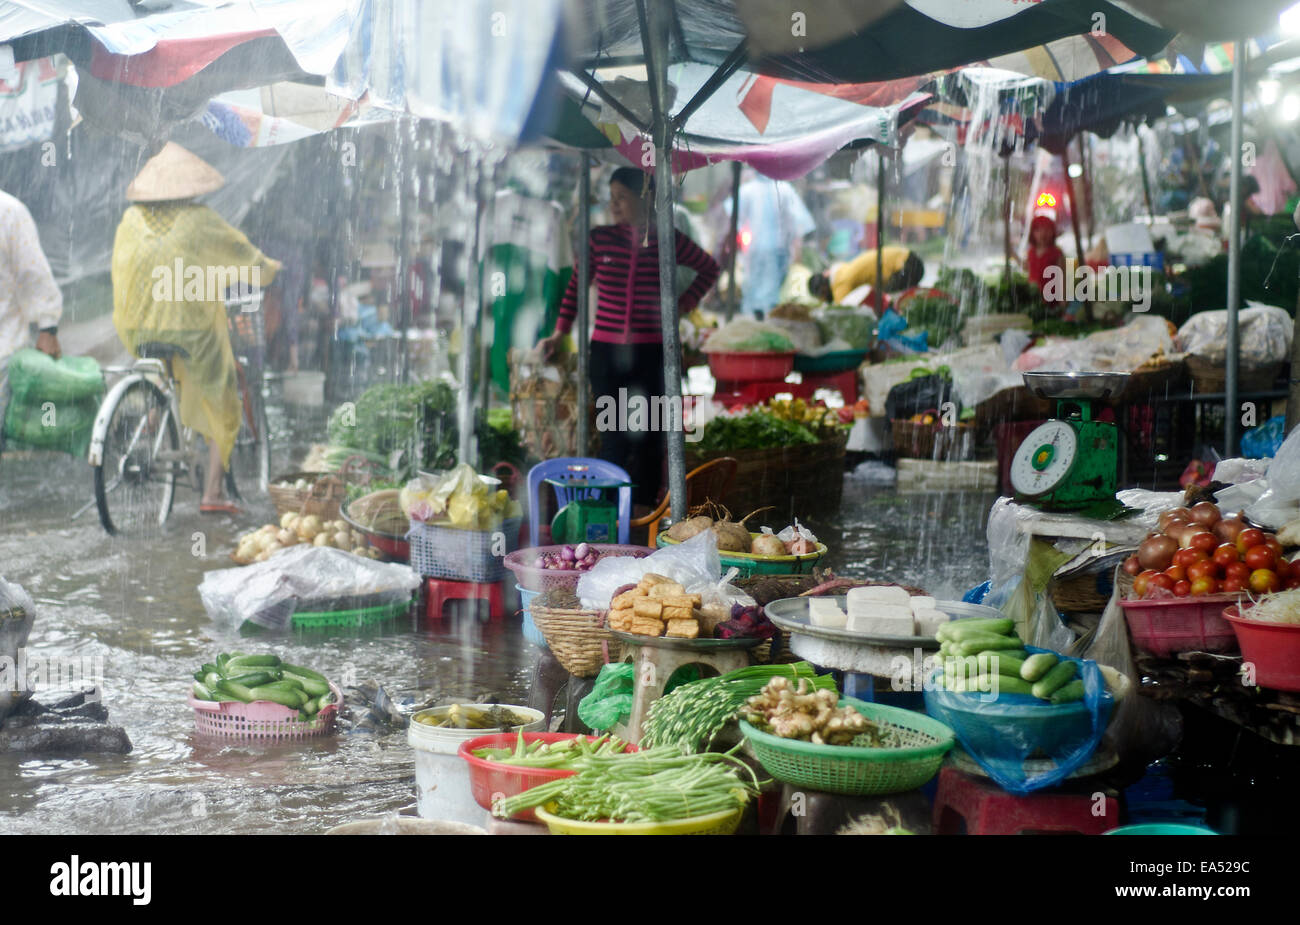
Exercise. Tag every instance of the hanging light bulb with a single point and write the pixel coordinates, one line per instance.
(1076, 171)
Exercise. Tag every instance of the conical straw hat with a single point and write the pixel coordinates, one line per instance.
(174, 173)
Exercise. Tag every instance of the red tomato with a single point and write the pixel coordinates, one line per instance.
(1204, 569)
(1203, 541)
(1265, 581)
(1260, 557)
(1238, 571)
(1283, 569)
(1294, 581)
(1226, 554)
(1182, 588)
(1248, 538)
(1272, 543)
(1205, 585)
(1142, 583)
(1176, 572)
(1232, 586)
(1186, 557)
(1161, 580)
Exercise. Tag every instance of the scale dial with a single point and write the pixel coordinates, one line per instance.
(1043, 461)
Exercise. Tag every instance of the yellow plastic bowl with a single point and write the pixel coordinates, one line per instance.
(723, 823)
(663, 540)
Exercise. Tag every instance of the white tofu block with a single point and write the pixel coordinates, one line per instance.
(881, 620)
(921, 602)
(824, 611)
(888, 594)
(929, 620)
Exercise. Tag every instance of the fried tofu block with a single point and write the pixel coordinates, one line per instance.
(667, 589)
(626, 599)
(682, 600)
(685, 629)
(650, 578)
(678, 613)
(621, 619)
(648, 608)
(647, 626)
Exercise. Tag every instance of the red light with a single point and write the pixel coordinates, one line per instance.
(1047, 200)
(744, 237)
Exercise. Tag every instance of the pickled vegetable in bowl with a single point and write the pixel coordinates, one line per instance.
(471, 716)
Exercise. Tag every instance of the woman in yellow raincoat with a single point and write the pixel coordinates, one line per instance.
(170, 257)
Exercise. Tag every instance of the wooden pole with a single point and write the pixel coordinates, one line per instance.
(1142, 169)
(1074, 212)
(582, 334)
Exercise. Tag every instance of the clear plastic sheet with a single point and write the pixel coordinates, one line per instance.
(695, 565)
(302, 578)
(1280, 504)
(1264, 333)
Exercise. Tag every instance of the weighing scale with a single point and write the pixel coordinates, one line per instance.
(1069, 462)
(587, 520)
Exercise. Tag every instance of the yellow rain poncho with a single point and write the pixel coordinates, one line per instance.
(159, 296)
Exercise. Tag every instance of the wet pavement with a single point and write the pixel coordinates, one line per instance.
(133, 603)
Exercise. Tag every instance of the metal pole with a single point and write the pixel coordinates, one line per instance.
(1230, 404)
(584, 285)
(487, 198)
(656, 41)
(404, 246)
(880, 232)
(733, 243)
(1085, 161)
(1146, 183)
(467, 442)
(1069, 195)
(1006, 227)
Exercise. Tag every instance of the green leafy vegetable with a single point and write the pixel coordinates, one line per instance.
(753, 430)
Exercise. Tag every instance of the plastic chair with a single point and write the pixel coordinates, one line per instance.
(596, 469)
(711, 480)
(438, 591)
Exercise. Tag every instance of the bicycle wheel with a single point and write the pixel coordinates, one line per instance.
(133, 486)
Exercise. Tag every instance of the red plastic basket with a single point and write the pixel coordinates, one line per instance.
(1273, 648)
(751, 367)
(1182, 624)
(262, 719)
(492, 778)
(531, 578)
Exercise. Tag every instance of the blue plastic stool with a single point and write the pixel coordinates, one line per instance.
(558, 468)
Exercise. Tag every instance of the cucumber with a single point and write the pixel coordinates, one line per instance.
(1007, 685)
(964, 629)
(304, 672)
(252, 678)
(198, 675)
(1069, 693)
(211, 680)
(310, 685)
(1037, 665)
(232, 690)
(983, 642)
(291, 699)
(221, 661)
(311, 707)
(1055, 679)
(201, 691)
(1004, 663)
(252, 663)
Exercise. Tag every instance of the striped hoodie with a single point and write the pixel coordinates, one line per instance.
(627, 285)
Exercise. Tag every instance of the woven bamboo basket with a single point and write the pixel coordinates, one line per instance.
(579, 639)
(1084, 592)
(1209, 377)
(322, 497)
(914, 440)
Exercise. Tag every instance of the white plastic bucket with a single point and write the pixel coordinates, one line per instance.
(441, 778)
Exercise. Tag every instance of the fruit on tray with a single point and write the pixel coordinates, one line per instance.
(1197, 551)
(293, 530)
(240, 678)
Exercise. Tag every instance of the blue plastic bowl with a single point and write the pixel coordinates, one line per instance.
(531, 632)
(1161, 828)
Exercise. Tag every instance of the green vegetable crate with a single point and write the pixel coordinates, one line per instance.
(847, 769)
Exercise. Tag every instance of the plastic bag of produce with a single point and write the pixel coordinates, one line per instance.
(856, 325)
(1264, 441)
(302, 578)
(924, 393)
(36, 377)
(1280, 504)
(610, 700)
(694, 564)
(1265, 333)
(746, 336)
(46, 424)
(1004, 731)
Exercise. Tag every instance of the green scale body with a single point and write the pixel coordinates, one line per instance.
(587, 520)
(1069, 463)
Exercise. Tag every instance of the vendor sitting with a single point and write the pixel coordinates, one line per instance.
(900, 267)
(1044, 254)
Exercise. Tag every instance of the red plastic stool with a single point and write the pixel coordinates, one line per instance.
(987, 809)
(438, 591)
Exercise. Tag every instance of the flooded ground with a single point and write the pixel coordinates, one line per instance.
(134, 604)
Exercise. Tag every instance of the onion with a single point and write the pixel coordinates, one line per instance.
(1181, 533)
(539, 562)
(581, 551)
(566, 554)
(1157, 552)
(1206, 513)
(1228, 528)
(1179, 515)
(1132, 565)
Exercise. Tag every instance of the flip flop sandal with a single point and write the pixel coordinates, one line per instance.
(223, 508)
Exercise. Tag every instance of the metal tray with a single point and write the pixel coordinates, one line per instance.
(791, 614)
(1075, 385)
(689, 645)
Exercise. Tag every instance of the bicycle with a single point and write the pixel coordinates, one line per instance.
(138, 447)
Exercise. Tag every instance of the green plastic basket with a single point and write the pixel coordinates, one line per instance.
(748, 565)
(858, 771)
(350, 619)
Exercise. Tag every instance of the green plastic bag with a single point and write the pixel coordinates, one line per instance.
(49, 425)
(610, 700)
(36, 377)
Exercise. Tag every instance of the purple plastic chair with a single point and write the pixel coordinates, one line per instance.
(572, 466)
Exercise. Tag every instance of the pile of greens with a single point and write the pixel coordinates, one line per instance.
(754, 430)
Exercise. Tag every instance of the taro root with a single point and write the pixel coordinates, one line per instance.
(684, 530)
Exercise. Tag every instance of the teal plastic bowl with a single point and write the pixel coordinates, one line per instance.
(1161, 828)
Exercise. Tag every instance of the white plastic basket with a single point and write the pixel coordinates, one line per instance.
(262, 719)
(439, 551)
